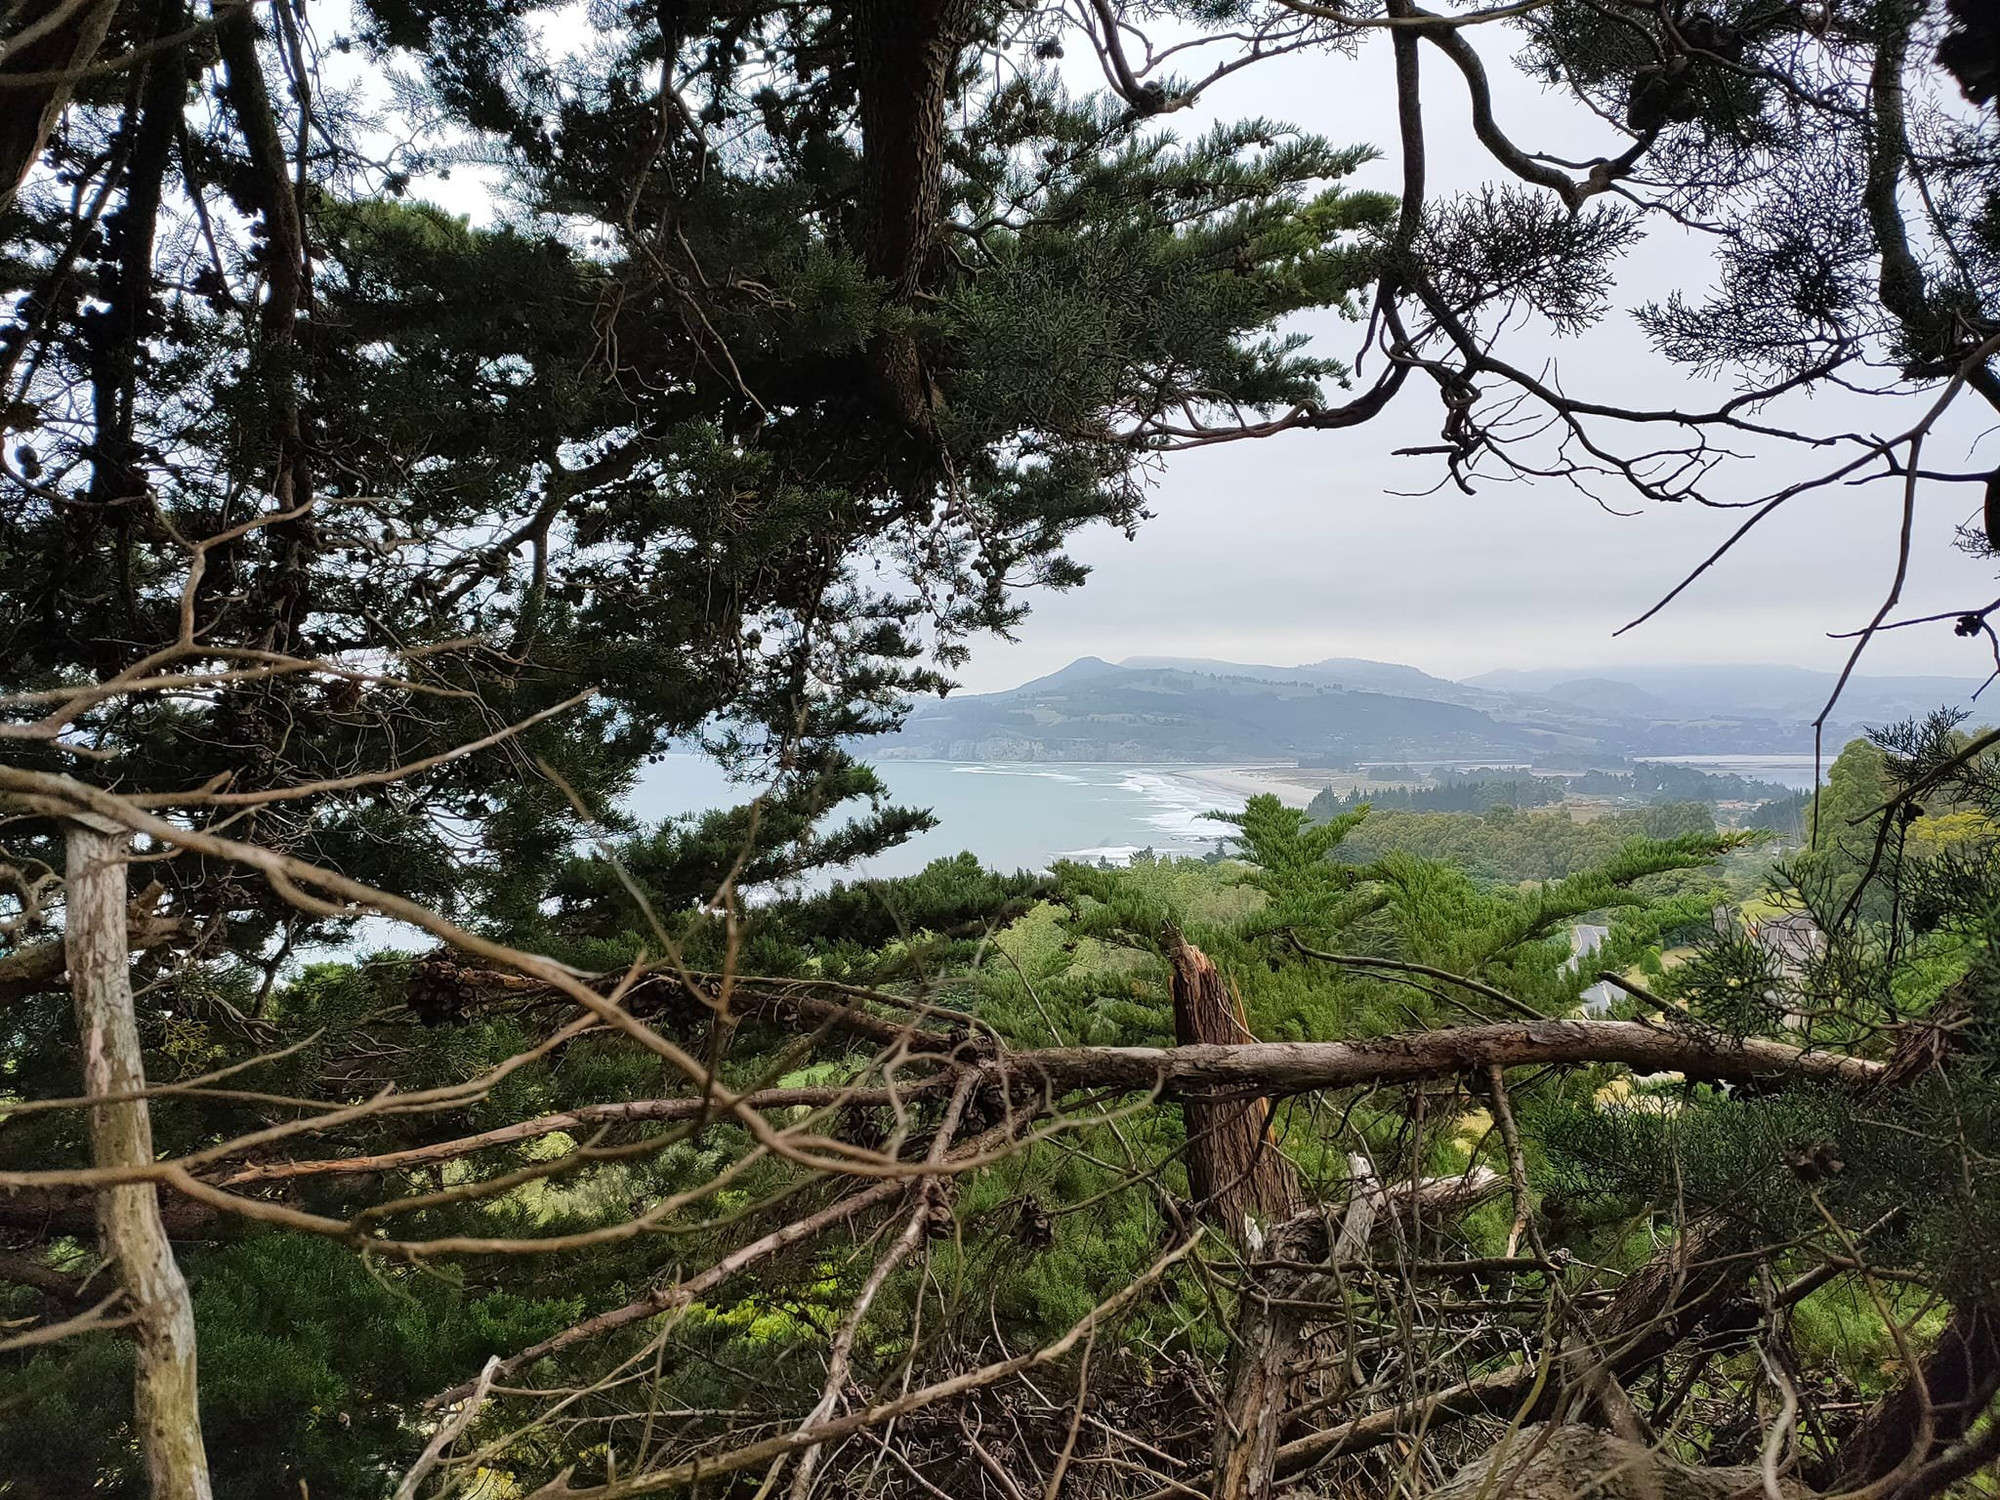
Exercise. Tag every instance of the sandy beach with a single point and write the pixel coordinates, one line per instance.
(1291, 786)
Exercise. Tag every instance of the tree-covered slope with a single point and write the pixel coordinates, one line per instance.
(1168, 708)
(1166, 713)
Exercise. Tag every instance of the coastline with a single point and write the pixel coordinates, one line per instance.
(1290, 786)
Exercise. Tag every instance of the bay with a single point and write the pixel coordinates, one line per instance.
(1013, 815)
(1024, 815)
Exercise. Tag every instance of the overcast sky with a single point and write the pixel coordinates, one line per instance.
(1295, 549)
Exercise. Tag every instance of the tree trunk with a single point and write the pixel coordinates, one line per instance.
(1655, 1308)
(153, 120)
(284, 593)
(1269, 1326)
(1961, 1376)
(1235, 1170)
(906, 53)
(1241, 1181)
(129, 1228)
(1276, 1309)
(54, 42)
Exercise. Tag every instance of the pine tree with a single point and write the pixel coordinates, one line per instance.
(777, 386)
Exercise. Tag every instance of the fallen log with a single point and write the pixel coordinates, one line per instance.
(1957, 1382)
(1239, 1067)
(1655, 1306)
(1207, 1073)
(1561, 1462)
(1273, 1068)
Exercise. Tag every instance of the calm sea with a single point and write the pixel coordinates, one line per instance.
(1013, 816)
(1025, 816)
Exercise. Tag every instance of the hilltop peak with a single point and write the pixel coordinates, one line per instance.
(1077, 671)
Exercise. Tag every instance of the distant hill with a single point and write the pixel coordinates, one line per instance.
(1091, 711)
(1785, 694)
(1335, 671)
(1150, 708)
(1606, 695)
(1080, 670)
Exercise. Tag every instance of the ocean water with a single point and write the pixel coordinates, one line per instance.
(1026, 815)
(1012, 815)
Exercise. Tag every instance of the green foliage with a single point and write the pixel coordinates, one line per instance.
(1291, 864)
(1662, 781)
(1731, 983)
(1843, 818)
(955, 903)
(688, 428)
(690, 492)
(1857, 949)
(1789, 817)
(304, 1333)
(311, 1363)
(1191, 244)
(1504, 847)
(1456, 794)
(1653, 783)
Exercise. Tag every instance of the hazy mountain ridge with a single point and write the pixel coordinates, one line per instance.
(1122, 713)
(1336, 671)
(1781, 693)
(1340, 709)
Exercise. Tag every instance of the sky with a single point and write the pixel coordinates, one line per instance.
(1298, 548)
(1312, 545)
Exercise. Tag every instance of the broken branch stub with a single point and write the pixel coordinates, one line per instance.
(1236, 1172)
